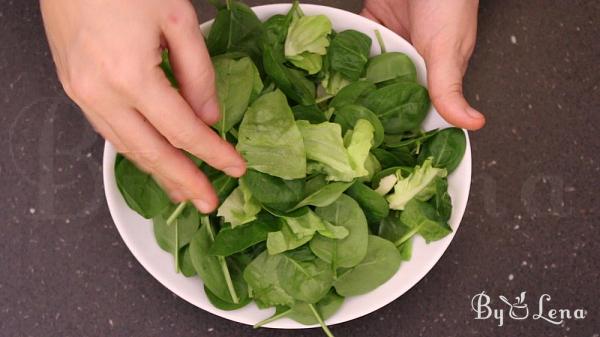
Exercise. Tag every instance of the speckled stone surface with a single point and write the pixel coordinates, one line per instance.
(532, 223)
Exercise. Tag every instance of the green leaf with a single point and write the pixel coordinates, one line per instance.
(441, 201)
(396, 158)
(239, 207)
(374, 205)
(233, 240)
(420, 185)
(187, 224)
(274, 192)
(306, 281)
(327, 306)
(311, 113)
(290, 81)
(141, 193)
(299, 229)
(236, 29)
(447, 149)
(352, 93)
(307, 41)
(269, 139)
(224, 305)
(401, 107)
(235, 81)
(213, 270)
(324, 145)
(185, 263)
(348, 53)
(326, 152)
(348, 115)
(379, 265)
(423, 219)
(262, 277)
(391, 66)
(325, 195)
(347, 252)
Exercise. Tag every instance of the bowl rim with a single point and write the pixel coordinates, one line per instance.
(114, 198)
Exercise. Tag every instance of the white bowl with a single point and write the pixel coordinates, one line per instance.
(138, 236)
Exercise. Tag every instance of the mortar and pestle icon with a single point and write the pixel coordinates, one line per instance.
(519, 309)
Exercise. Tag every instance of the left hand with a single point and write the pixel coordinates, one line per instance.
(443, 32)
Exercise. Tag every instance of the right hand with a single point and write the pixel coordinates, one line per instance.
(107, 55)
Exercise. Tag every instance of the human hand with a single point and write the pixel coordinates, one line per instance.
(107, 55)
(443, 32)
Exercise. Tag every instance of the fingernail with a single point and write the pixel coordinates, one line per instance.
(202, 206)
(235, 171)
(473, 113)
(209, 112)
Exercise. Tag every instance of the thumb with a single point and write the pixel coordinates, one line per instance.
(445, 75)
(191, 63)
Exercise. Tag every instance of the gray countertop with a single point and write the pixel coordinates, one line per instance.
(531, 223)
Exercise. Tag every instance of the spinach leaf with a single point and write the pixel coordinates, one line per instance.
(186, 225)
(290, 81)
(240, 207)
(235, 81)
(401, 107)
(441, 200)
(422, 218)
(141, 193)
(234, 240)
(327, 306)
(236, 29)
(374, 205)
(352, 93)
(387, 158)
(348, 115)
(223, 185)
(347, 252)
(269, 139)
(348, 54)
(420, 185)
(224, 305)
(306, 281)
(325, 195)
(185, 263)
(447, 149)
(379, 265)
(391, 66)
(310, 113)
(402, 141)
(262, 277)
(274, 192)
(213, 270)
(285, 239)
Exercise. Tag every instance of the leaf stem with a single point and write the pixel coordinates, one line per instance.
(273, 318)
(320, 319)
(223, 263)
(408, 235)
(322, 98)
(177, 247)
(380, 41)
(176, 212)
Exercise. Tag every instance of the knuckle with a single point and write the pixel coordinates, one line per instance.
(83, 88)
(182, 14)
(124, 76)
(184, 139)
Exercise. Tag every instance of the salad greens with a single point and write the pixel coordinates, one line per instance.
(341, 179)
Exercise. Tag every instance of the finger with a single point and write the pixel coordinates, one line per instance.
(367, 14)
(104, 129)
(445, 87)
(191, 63)
(172, 117)
(176, 172)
